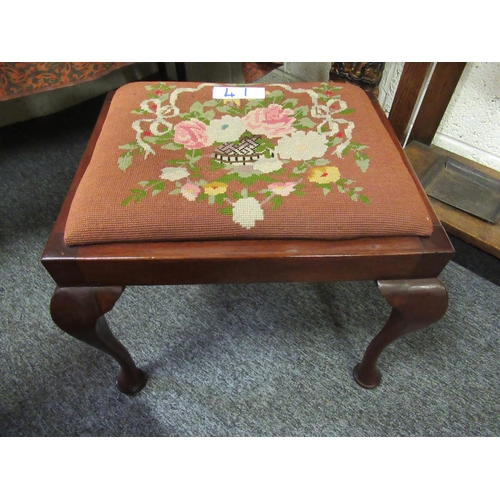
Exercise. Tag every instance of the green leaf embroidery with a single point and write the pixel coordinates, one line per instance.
(126, 201)
(227, 178)
(333, 142)
(363, 164)
(172, 146)
(300, 168)
(301, 112)
(212, 103)
(247, 181)
(361, 159)
(276, 201)
(215, 165)
(275, 97)
(299, 190)
(219, 198)
(130, 146)
(209, 115)
(124, 161)
(304, 123)
(226, 210)
(137, 196)
(264, 144)
(193, 154)
(177, 163)
(289, 103)
(196, 107)
(320, 162)
(341, 184)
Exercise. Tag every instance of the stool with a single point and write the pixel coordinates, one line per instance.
(303, 183)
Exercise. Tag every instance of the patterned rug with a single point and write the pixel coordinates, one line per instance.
(18, 79)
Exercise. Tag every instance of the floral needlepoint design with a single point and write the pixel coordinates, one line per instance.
(190, 191)
(174, 174)
(282, 188)
(226, 129)
(246, 212)
(191, 134)
(215, 188)
(271, 121)
(302, 146)
(324, 175)
(238, 151)
(267, 165)
(246, 157)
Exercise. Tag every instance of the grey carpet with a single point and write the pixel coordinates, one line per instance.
(233, 360)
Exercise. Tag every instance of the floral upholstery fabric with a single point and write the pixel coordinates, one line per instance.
(18, 79)
(308, 160)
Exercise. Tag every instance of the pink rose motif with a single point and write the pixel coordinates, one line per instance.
(190, 191)
(191, 134)
(273, 121)
(282, 188)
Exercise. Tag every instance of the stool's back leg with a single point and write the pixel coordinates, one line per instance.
(415, 304)
(79, 311)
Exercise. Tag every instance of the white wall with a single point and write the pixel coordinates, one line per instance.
(389, 84)
(471, 124)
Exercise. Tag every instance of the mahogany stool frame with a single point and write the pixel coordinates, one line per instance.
(91, 278)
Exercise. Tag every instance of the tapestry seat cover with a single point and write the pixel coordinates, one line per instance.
(301, 161)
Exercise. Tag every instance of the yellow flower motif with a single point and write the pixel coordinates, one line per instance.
(236, 102)
(215, 188)
(324, 175)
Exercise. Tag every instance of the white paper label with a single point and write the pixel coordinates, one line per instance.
(239, 93)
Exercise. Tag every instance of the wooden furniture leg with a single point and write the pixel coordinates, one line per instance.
(79, 311)
(415, 304)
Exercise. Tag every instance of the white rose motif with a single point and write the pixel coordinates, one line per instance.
(226, 129)
(267, 165)
(302, 146)
(246, 211)
(174, 173)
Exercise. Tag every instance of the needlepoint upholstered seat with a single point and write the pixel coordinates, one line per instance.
(303, 182)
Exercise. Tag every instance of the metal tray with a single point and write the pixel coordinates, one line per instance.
(463, 187)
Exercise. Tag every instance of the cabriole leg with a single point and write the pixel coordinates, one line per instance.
(415, 304)
(80, 311)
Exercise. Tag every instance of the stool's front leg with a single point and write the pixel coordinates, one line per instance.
(80, 311)
(415, 304)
